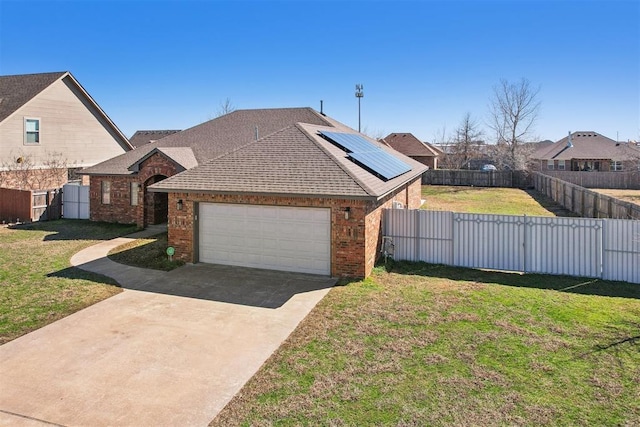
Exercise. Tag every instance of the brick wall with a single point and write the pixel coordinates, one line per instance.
(347, 234)
(409, 196)
(120, 209)
(33, 179)
(355, 239)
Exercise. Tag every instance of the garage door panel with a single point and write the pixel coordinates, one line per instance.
(272, 237)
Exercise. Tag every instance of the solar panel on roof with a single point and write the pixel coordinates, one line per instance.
(368, 155)
(350, 142)
(382, 163)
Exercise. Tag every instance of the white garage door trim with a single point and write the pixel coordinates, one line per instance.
(272, 237)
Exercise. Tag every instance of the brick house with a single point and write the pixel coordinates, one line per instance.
(49, 128)
(411, 146)
(587, 151)
(286, 189)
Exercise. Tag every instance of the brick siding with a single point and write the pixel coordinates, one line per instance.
(355, 241)
(33, 179)
(119, 209)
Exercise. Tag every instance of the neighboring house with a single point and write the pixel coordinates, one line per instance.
(49, 127)
(411, 146)
(142, 137)
(587, 151)
(460, 156)
(287, 189)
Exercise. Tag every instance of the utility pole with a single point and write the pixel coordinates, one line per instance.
(359, 95)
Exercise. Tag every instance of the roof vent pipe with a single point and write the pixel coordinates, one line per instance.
(321, 107)
(569, 143)
(257, 134)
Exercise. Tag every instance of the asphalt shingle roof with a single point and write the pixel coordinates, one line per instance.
(215, 137)
(142, 137)
(587, 145)
(294, 161)
(409, 145)
(17, 90)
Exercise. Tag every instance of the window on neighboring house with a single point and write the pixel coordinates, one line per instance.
(616, 165)
(106, 192)
(31, 131)
(561, 165)
(550, 165)
(134, 193)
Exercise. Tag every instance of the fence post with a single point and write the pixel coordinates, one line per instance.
(416, 213)
(524, 245)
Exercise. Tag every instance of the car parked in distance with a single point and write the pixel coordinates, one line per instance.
(489, 168)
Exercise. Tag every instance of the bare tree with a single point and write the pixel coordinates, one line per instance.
(513, 113)
(20, 171)
(464, 146)
(376, 134)
(225, 107)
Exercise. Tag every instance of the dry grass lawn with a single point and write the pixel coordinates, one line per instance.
(490, 200)
(632, 196)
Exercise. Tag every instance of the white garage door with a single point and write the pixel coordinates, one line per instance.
(271, 237)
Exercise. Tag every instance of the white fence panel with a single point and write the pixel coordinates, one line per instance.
(420, 235)
(488, 241)
(571, 246)
(621, 249)
(437, 248)
(583, 247)
(75, 201)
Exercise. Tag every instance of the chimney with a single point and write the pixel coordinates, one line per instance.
(569, 143)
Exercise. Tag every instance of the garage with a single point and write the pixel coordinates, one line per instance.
(272, 237)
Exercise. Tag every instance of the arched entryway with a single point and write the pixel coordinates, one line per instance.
(156, 205)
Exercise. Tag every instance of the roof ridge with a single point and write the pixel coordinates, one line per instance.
(58, 75)
(364, 187)
(243, 146)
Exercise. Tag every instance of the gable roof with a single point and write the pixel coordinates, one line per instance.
(17, 90)
(142, 137)
(587, 145)
(216, 137)
(409, 145)
(294, 161)
(182, 156)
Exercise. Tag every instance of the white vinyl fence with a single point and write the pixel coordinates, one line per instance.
(602, 248)
(75, 201)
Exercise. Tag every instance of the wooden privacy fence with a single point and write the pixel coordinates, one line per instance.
(584, 202)
(30, 205)
(602, 248)
(15, 205)
(622, 180)
(510, 179)
(70, 201)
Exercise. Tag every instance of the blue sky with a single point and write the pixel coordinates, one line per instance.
(423, 64)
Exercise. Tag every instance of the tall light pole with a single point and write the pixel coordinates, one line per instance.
(359, 95)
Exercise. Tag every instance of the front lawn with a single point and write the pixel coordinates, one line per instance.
(150, 252)
(490, 200)
(37, 284)
(435, 345)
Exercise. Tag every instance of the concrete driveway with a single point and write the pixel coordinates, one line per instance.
(171, 350)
